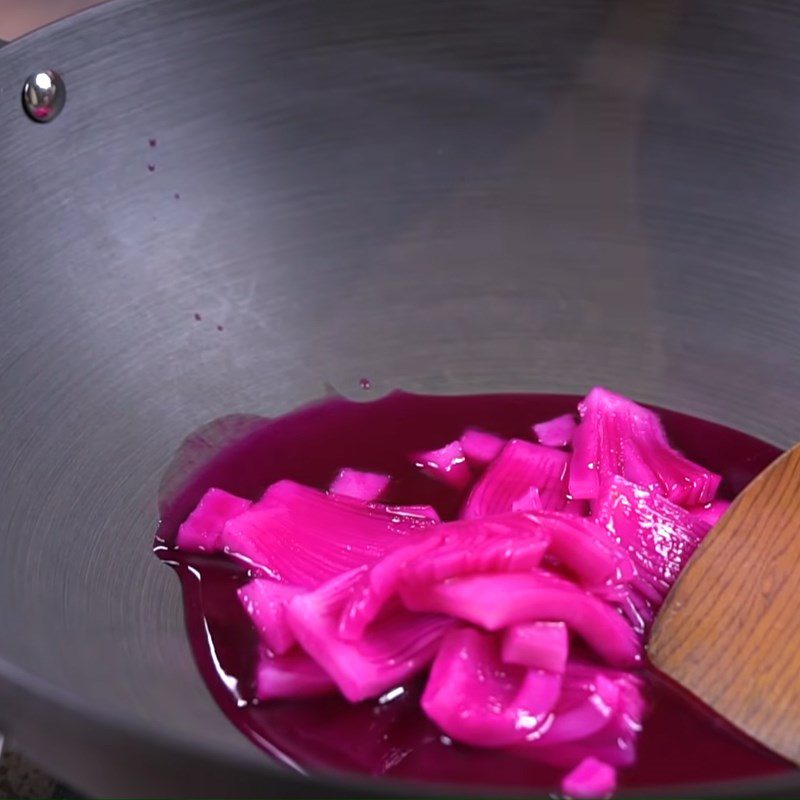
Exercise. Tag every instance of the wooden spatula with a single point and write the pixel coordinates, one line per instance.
(729, 631)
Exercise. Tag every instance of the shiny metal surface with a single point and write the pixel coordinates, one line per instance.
(44, 95)
(444, 197)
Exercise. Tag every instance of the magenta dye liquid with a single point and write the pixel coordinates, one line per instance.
(681, 741)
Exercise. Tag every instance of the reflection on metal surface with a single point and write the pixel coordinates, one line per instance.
(44, 95)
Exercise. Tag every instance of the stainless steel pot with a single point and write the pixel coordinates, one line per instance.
(445, 196)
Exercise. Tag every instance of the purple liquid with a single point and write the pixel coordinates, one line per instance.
(682, 742)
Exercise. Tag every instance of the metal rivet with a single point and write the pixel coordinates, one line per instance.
(43, 95)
